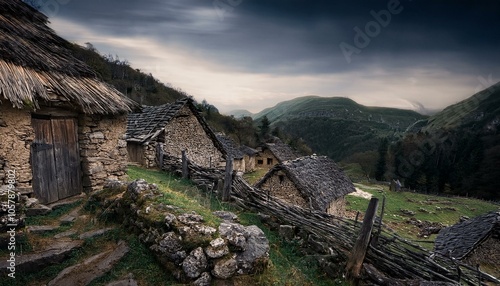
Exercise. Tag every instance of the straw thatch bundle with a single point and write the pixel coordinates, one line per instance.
(35, 62)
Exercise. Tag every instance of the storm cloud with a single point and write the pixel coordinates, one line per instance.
(254, 53)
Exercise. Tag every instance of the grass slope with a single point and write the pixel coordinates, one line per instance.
(481, 107)
(434, 209)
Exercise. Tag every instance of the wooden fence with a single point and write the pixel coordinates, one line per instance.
(388, 257)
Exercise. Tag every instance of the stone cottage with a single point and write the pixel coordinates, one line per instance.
(249, 156)
(170, 129)
(273, 153)
(62, 129)
(233, 150)
(310, 182)
(474, 241)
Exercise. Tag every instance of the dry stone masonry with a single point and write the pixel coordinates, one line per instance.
(183, 242)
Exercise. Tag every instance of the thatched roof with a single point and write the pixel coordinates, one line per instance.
(280, 150)
(35, 62)
(316, 177)
(145, 126)
(460, 239)
(230, 146)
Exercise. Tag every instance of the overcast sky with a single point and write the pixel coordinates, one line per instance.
(252, 54)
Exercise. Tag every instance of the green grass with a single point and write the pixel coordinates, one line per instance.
(288, 266)
(446, 210)
(178, 192)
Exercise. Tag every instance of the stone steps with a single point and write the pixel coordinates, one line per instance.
(92, 268)
(58, 252)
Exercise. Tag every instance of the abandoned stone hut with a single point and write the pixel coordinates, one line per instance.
(61, 128)
(273, 153)
(234, 152)
(170, 129)
(310, 182)
(249, 155)
(474, 241)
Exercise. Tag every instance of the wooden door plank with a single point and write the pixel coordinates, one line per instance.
(67, 157)
(43, 163)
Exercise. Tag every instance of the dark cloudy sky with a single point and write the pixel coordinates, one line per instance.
(254, 53)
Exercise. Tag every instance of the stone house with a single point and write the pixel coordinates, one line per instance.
(61, 128)
(273, 153)
(249, 156)
(314, 182)
(473, 241)
(230, 147)
(170, 129)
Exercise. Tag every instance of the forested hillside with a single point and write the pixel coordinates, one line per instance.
(456, 152)
(338, 127)
(134, 83)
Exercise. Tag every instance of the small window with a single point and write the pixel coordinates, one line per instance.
(282, 178)
(269, 161)
(260, 162)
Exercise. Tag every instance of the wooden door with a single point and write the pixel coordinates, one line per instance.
(55, 159)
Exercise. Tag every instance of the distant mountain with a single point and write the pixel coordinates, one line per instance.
(240, 113)
(338, 127)
(478, 110)
(456, 151)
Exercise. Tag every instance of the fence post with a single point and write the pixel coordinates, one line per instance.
(185, 170)
(379, 231)
(228, 179)
(355, 262)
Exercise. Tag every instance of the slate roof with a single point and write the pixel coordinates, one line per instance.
(230, 146)
(147, 125)
(248, 150)
(35, 62)
(316, 177)
(281, 151)
(460, 239)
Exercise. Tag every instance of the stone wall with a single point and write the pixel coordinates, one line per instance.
(280, 186)
(16, 136)
(249, 163)
(264, 156)
(186, 246)
(184, 132)
(337, 207)
(103, 149)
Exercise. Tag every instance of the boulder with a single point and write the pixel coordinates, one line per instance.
(217, 248)
(204, 280)
(251, 245)
(255, 258)
(225, 269)
(195, 264)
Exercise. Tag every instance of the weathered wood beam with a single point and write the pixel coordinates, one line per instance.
(355, 262)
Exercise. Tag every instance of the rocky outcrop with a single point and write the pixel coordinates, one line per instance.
(193, 250)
